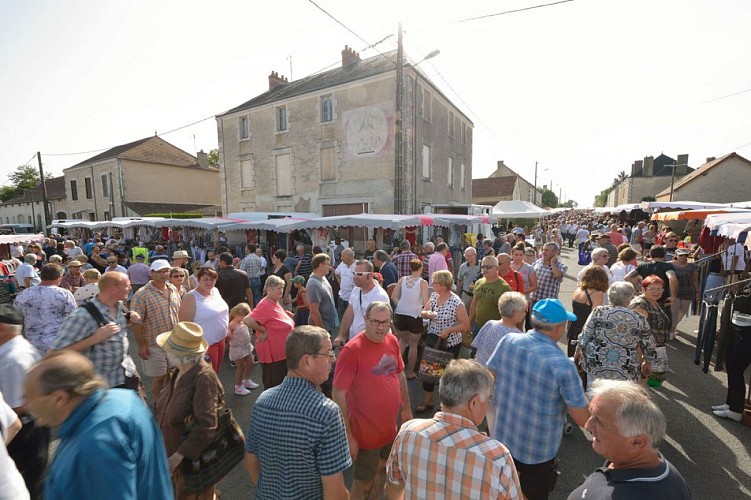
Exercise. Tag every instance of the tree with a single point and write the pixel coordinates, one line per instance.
(549, 199)
(23, 178)
(569, 204)
(214, 158)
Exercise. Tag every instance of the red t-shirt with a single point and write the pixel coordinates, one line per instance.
(515, 280)
(368, 372)
(278, 325)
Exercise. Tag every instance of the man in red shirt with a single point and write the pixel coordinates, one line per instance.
(616, 237)
(514, 279)
(370, 387)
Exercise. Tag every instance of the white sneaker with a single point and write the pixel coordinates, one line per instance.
(241, 391)
(732, 415)
(721, 407)
(249, 384)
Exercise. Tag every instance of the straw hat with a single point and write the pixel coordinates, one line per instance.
(185, 338)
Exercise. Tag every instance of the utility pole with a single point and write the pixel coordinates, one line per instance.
(536, 183)
(398, 146)
(45, 201)
(672, 177)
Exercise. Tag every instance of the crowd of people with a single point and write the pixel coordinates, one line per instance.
(339, 341)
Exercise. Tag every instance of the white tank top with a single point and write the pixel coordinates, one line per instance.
(410, 301)
(212, 314)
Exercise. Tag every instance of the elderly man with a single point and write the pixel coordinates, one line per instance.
(486, 293)
(467, 275)
(26, 274)
(45, 307)
(296, 443)
(29, 448)
(386, 268)
(157, 305)
(99, 331)
(365, 292)
(627, 427)
(537, 384)
(73, 279)
(344, 274)
(511, 277)
(251, 264)
(600, 257)
(370, 387)
(615, 236)
(606, 243)
(437, 261)
(180, 258)
(445, 442)
(370, 249)
(550, 272)
(110, 446)
(403, 258)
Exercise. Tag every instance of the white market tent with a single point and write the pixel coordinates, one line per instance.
(656, 206)
(517, 209)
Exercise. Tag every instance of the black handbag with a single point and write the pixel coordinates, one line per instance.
(225, 451)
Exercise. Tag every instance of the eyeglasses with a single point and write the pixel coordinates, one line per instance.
(329, 354)
(488, 267)
(672, 241)
(362, 274)
(375, 322)
(655, 288)
(111, 262)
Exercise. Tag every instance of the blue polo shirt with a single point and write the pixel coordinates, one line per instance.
(110, 447)
(298, 435)
(535, 384)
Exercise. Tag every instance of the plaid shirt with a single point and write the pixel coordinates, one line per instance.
(110, 356)
(401, 262)
(449, 447)
(251, 264)
(547, 286)
(158, 313)
(536, 383)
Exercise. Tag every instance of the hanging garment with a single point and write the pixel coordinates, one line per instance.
(706, 337)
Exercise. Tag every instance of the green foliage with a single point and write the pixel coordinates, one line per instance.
(23, 178)
(648, 198)
(549, 199)
(167, 215)
(214, 158)
(569, 204)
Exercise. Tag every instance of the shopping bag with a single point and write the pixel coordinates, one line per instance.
(433, 363)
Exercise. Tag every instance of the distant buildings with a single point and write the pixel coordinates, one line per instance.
(719, 180)
(648, 177)
(326, 143)
(503, 185)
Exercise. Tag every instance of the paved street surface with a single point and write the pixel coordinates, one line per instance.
(713, 455)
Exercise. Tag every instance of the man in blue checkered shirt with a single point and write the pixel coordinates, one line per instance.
(536, 384)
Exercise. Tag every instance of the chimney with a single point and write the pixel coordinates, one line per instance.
(636, 168)
(500, 166)
(649, 166)
(710, 158)
(682, 162)
(349, 56)
(203, 159)
(275, 80)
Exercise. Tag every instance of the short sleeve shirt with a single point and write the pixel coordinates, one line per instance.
(320, 292)
(486, 299)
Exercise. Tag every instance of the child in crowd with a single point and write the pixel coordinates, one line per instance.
(303, 312)
(241, 349)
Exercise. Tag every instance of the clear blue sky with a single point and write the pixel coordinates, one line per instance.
(584, 87)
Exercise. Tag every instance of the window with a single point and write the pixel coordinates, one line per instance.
(327, 108)
(328, 163)
(106, 216)
(425, 161)
(105, 186)
(428, 107)
(461, 177)
(39, 220)
(30, 220)
(451, 124)
(89, 188)
(283, 174)
(244, 128)
(281, 119)
(464, 133)
(74, 190)
(246, 173)
(450, 172)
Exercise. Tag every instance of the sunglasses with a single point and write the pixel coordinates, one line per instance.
(362, 274)
(488, 267)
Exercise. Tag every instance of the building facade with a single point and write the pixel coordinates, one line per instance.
(327, 144)
(718, 180)
(503, 185)
(28, 208)
(648, 177)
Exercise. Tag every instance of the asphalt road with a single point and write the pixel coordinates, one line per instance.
(713, 455)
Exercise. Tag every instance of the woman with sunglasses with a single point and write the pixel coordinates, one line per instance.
(688, 288)
(648, 306)
(448, 319)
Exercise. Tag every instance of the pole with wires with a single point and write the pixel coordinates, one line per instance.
(45, 200)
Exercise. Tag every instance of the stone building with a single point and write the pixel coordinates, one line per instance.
(503, 185)
(648, 177)
(719, 180)
(326, 143)
(141, 177)
(28, 208)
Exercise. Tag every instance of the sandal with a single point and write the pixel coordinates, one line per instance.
(423, 408)
(411, 377)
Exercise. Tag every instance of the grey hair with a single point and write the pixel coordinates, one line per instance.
(599, 251)
(381, 256)
(384, 306)
(273, 281)
(553, 245)
(541, 325)
(463, 380)
(637, 413)
(183, 359)
(68, 371)
(428, 245)
(620, 293)
(305, 339)
(30, 258)
(510, 303)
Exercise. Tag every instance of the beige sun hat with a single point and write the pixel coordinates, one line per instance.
(185, 338)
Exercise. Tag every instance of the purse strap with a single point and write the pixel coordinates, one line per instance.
(220, 407)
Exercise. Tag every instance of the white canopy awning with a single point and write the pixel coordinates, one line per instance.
(517, 209)
(205, 222)
(385, 221)
(655, 206)
(278, 225)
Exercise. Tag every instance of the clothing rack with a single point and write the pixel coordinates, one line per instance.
(724, 287)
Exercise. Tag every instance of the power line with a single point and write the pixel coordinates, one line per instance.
(512, 11)
(724, 97)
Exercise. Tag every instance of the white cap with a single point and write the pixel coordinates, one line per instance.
(159, 264)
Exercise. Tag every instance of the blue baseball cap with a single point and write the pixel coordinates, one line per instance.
(551, 311)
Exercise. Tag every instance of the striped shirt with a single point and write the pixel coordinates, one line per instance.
(401, 262)
(298, 435)
(251, 264)
(447, 457)
(547, 286)
(158, 313)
